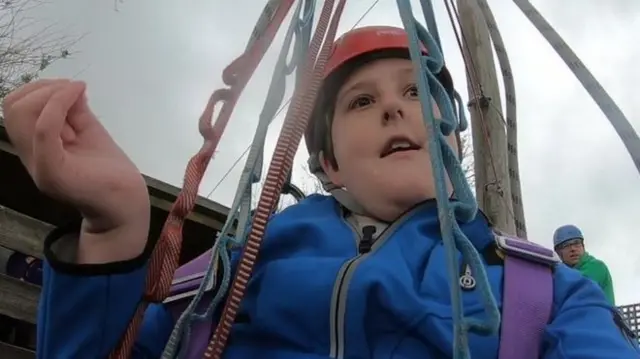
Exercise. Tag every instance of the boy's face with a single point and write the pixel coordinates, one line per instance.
(377, 107)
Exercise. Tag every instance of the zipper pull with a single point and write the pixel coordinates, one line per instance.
(367, 239)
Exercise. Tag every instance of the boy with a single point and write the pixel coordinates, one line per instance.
(330, 282)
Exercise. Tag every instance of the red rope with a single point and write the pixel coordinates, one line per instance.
(165, 256)
(293, 128)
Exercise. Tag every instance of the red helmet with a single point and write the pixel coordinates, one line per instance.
(366, 40)
(357, 44)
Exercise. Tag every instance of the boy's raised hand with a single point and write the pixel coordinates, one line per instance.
(71, 157)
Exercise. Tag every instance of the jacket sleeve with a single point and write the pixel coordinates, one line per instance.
(84, 309)
(583, 324)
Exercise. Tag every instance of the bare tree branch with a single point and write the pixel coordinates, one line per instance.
(467, 161)
(310, 186)
(313, 185)
(24, 51)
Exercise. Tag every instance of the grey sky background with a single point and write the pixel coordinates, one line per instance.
(151, 66)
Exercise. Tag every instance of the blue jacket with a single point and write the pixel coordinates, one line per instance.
(393, 303)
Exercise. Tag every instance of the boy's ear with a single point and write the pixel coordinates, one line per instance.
(332, 173)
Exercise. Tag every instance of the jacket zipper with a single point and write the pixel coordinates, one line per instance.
(366, 246)
(366, 241)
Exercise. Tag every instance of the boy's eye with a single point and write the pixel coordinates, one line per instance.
(360, 101)
(412, 91)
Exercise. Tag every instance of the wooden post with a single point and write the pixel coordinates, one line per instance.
(488, 129)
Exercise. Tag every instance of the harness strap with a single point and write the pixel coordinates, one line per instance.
(527, 297)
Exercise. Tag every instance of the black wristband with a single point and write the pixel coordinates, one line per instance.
(119, 267)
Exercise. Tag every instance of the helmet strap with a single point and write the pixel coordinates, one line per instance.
(340, 194)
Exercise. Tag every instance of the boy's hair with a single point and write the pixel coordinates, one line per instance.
(321, 118)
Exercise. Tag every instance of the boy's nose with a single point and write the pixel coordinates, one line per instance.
(392, 112)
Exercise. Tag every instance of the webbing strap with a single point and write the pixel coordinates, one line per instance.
(527, 300)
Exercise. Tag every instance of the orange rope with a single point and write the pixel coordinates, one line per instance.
(166, 254)
(293, 128)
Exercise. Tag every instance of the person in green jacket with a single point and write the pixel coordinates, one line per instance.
(568, 242)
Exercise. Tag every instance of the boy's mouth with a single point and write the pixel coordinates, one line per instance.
(398, 144)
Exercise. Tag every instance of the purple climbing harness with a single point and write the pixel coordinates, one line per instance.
(526, 305)
(527, 297)
(184, 287)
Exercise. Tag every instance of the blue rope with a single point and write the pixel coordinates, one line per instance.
(444, 158)
(301, 28)
(430, 17)
(459, 111)
(253, 166)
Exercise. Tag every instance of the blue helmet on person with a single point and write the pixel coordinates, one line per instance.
(566, 233)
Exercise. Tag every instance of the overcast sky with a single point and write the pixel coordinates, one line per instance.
(151, 66)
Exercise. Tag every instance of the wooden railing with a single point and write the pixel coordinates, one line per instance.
(13, 352)
(19, 299)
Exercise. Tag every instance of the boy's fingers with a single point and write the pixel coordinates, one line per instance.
(20, 118)
(31, 104)
(55, 111)
(68, 134)
(80, 115)
(47, 144)
(26, 89)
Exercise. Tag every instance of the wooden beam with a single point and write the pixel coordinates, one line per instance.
(493, 189)
(194, 216)
(18, 299)
(158, 188)
(13, 352)
(22, 233)
(6, 147)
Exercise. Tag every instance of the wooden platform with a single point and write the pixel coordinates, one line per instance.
(27, 216)
(13, 352)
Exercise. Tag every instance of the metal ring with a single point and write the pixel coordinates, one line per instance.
(467, 282)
